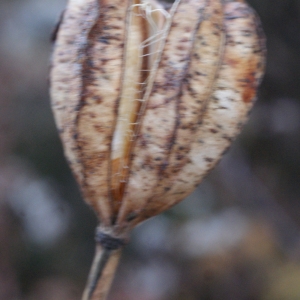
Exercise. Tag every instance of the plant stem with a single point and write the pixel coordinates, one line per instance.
(101, 274)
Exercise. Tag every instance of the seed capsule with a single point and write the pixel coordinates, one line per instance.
(147, 100)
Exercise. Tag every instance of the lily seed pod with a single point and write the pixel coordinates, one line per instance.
(146, 101)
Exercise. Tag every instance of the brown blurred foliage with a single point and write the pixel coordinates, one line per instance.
(235, 238)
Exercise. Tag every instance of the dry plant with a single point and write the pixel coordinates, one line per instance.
(146, 100)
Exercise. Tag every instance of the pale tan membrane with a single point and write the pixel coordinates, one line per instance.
(146, 24)
(133, 84)
(228, 108)
(65, 74)
(197, 87)
(157, 22)
(101, 75)
(159, 118)
(205, 64)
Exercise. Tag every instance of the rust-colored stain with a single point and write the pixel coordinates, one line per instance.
(248, 95)
(249, 88)
(232, 62)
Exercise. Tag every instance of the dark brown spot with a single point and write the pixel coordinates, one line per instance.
(179, 157)
(212, 130)
(97, 99)
(131, 216)
(208, 159)
(99, 128)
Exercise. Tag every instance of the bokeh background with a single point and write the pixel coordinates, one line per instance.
(236, 238)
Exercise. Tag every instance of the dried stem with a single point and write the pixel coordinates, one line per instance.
(101, 274)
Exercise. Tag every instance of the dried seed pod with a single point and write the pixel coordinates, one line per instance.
(147, 100)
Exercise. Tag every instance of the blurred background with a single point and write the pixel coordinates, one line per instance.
(236, 238)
